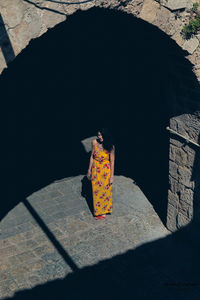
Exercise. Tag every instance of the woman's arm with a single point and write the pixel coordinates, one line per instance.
(112, 163)
(91, 161)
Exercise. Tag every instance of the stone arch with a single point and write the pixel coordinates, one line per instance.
(183, 115)
(24, 20)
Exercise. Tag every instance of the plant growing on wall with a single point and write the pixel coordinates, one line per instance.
(195, 7)
(194, 23)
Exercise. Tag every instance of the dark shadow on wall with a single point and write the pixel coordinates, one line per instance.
(5, 43)
(99, 68)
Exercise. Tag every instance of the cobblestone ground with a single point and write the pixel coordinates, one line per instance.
(53, 232)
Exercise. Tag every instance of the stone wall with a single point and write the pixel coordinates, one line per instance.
(23, 20)
(183, 172)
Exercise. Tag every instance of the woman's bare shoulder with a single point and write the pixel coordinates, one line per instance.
(93, 141)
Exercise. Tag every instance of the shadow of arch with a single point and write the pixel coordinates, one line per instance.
(100, 67)
(168, 267)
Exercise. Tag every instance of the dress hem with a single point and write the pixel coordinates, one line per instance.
(106, 213)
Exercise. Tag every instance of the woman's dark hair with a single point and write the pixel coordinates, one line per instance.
(107, 139)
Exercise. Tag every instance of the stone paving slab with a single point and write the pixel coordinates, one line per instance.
(31, 253)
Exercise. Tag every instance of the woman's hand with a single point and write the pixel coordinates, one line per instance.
(111, 180)
(89, 174)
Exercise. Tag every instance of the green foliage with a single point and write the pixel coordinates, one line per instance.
(194, 24)
(195, 6)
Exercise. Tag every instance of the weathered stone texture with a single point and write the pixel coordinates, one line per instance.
(2, 61)
(175, 186)
(176, 4)
(181, 170)
(191, 45)
(25, 21)
(186, 125)
(184, 176)
(182, 220)
(12, 12)
(171, 217)
(173, 199)
(173, 169)
(186, 195)
(133, 7)
(178, 155)
(175, 142)
(162, 19)
(178, 38)
(149, 11)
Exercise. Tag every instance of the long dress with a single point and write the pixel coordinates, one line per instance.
(101, 189)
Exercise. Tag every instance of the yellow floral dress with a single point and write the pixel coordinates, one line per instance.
(101, 189)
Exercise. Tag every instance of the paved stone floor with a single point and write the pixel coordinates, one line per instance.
(53, 232)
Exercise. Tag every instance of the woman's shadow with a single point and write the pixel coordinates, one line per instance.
(86, 192)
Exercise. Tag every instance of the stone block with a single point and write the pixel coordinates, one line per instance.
(36, 265)
(173, 25)
(26, 256)
(11, 284)
(86, 6)
(175, 4)
(162, 18)
(191, 45)
(4, 276)
(173, 124)
(149, 11)
(133, 7)
(186, 196)
(8, 262)
(173, 199)
(12, 13)
(5, 243)
(190, 159)
(27, 245)
(182, 220)
(70, 9)
(175, 142)
(175, 186)
(22, 281)
(34, 280)
(173, 169)
(43, 250)
(177, 155)
(178, 38)
(184, 177)
(28, 29)
(3, 64)
(19, 270)
(186, 209)
(8, 251)
(171, 218)
(51, 18)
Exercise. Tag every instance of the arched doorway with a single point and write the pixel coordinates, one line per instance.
(100, 67)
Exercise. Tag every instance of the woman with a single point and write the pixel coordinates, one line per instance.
(101, 172)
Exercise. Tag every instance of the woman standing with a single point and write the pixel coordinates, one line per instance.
(101, 172)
